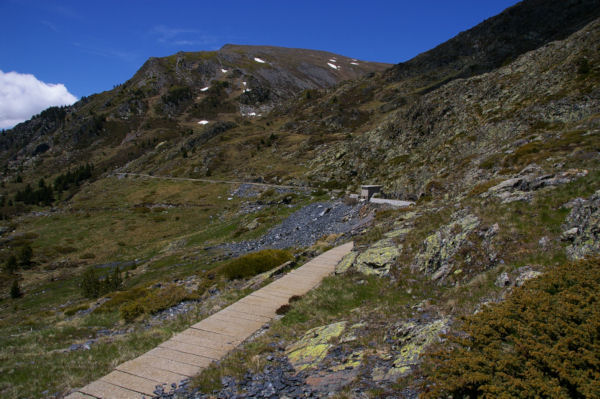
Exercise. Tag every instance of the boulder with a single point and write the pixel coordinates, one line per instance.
(346, 263)
(526, 273)
(378, 258)
(530, 179)
(503, 280)
(410, 339)
(582, 228)
(434, 259)
(312, 348)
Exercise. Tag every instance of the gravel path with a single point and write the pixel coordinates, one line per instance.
(303, 228)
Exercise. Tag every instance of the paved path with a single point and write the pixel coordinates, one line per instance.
(124, 174)
(190, 351)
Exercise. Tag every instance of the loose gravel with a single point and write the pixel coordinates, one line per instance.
(303, 228)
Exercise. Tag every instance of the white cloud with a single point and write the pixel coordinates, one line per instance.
(180, 37)
(23, 95)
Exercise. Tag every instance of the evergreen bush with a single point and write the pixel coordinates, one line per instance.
(542, 341)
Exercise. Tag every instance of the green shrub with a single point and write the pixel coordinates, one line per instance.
(92, 286)
(583, 66)
(121, 297)
(15, 290)
(25, 255)
(132, 310)
(152, 302)
(11, 264)
(70, 311)
(542, 341)
(64, 249)
(254, 263)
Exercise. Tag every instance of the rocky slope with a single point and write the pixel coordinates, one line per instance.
(169, 97)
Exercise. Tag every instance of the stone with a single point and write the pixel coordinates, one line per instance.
(435, 257)
(503, 280)
(312, 348)
(570, 234)
(582, 228)
(412, 339)
(253, 225)
(378, 259)
(526, 273)
(346, 263)
(530, 179)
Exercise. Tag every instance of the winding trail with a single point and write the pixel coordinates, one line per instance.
(124, 174)
(187, 353)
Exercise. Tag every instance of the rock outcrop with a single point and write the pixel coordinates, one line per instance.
(434, 259)
(582, 228)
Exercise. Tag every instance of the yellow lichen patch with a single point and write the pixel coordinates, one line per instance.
(378, 258)
(346, 262)
(398, 233)
(416, 338)
(313, 346)
(352, 362)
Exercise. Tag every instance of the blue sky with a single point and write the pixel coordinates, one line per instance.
(89, 46)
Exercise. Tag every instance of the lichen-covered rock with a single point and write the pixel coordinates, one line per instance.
(312, 348)
(582, 228)
(378, 258)
(438, 248)
(526, 273)
(409, 339)
(530, 179)
(503, 280)
(346, 263)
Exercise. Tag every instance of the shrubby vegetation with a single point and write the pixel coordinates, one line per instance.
(542, 341)
(254, 263)
(177, 95)
(74, 178)
(154, 301)
(23, 258)
(42, 195)
(93, 286)
(15, 290)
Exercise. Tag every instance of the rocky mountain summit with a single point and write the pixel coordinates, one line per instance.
(168, 195)
(175, 95)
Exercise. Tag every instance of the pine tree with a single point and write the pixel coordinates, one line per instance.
(90, 284)
(25, 255)
(11, 264)
(15, 290)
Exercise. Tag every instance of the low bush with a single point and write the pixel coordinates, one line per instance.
(92, 285)
(542, 341)
(70, 311)
(15, 290)
(254, 263)
(283, 309)
(154, 301)
(121, 297)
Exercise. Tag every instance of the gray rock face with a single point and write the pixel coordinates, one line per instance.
(438, 249)
(582, 228)
(530, 179)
